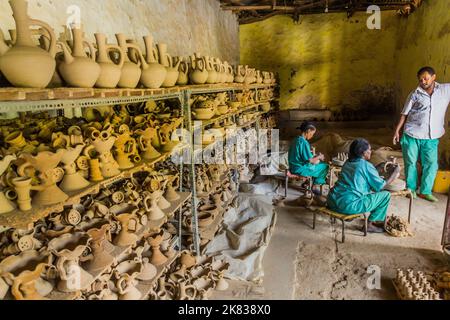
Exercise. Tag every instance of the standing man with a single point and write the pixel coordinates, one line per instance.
(423, 118)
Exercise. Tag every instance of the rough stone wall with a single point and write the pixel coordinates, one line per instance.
(187, 26)
(326, 61)
(424, 39)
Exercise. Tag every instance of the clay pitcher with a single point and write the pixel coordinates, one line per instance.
(73, 180)
(101, 257)
(127, 235)
(24, 55)
(131, 72)
(78, 70)
(23, 272)
(126, 273)
(211, 68)
(172, 70)
(69, 248)
(110, 72)
(198, 74)
(183, 77)
(153, 73)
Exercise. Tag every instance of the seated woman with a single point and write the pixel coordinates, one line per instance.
(353, 192)
(302, 162)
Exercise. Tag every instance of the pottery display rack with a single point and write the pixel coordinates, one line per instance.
(15, 100)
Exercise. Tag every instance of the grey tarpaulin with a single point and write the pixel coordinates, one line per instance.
(244, 237)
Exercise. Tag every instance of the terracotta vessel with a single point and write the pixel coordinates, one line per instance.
(171, 194)
(127, 235)
(73, 180)
(5, 204)
(183, 77)
(69, 248)
(78, 69)
(126, 273)
(131, 71)
(212, 73)
(102, 258)
(110, 71)
(145, 143)
(22, 186)
(17, 61)
(172, 69)
(153, 73)
(46, 164)
(22, 273)
(157, 258)
(154, 212)
(198, 74)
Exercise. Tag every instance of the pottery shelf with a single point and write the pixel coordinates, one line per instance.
(151, 228)
(24, 220)
(145, 287)
(27, 99)
(206, 123)
(210, 231)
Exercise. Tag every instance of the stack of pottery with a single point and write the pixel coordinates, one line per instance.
(204, 108)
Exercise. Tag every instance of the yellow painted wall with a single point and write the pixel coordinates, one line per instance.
(424, 39)
(326, 61)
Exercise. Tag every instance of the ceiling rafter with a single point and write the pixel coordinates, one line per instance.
(250, 11)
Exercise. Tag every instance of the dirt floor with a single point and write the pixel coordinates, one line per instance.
(305, 264)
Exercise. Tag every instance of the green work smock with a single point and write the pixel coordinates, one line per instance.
(354, 191)
(299, 156)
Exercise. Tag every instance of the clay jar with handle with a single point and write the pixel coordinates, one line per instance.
(144, 141)
(110, 72)
(172, 70)
(73, 180)
(131, 71)
(157, 257)
(23, 272)
(17, 61)
(127, 235)
(153, 73)
(69, 248)
(77, 69)
(183, 76)
(211, 68)
(46, 164)
(198, 74)
(126, 273)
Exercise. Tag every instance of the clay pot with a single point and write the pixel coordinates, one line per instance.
(171, 194)
(23, 271)
(157, 258)
(131, 72)
(183, 77)
(69, 248)
(110, 72)
(73, 180)
(127, 235)
(153, 73)
(77, 69)
(145, 143)
(186, 292)
(17, 61)
(172, 69)
(212, 73)
(5, 204)
(46, 163)
(198, 74)
(126, 273)
(101, 258)
(154, 212)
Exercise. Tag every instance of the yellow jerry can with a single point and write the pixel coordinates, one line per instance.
(442, 183)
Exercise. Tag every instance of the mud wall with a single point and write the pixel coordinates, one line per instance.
(187, 26)
(327, 61)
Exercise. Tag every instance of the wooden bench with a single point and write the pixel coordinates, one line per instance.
(307, 182)
(343, 218)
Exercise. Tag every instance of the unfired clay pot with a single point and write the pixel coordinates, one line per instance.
(110, 72)
(22, 273)
(69, 248)
(131, 72)
(77, 69)
(17, 61)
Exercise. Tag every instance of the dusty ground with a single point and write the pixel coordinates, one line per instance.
(301, 263)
